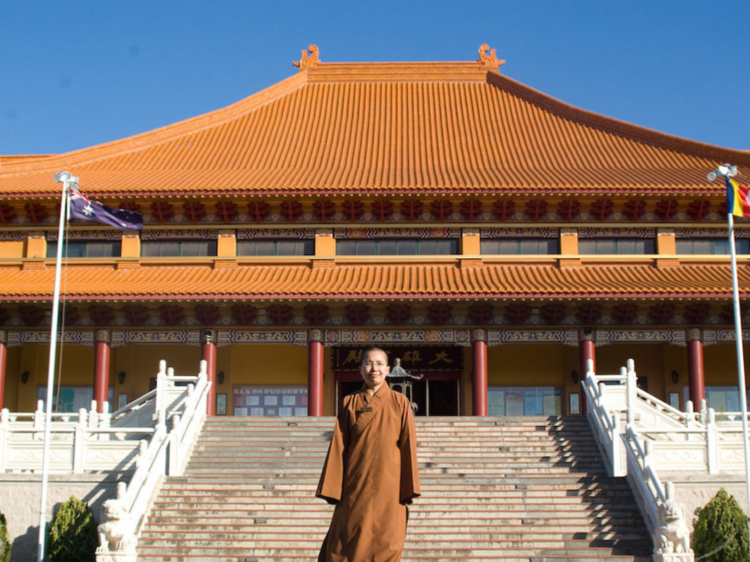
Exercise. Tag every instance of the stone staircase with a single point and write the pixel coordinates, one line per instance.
(529, 489)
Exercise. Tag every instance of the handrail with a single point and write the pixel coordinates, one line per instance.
(165, 454)
(137, 402)
(656, 501)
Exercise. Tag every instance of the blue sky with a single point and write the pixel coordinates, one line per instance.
(78, 73)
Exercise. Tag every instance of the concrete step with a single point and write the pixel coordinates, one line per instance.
(517, 489)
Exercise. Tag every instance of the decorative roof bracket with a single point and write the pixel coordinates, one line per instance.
(488, 58)
(309, 58)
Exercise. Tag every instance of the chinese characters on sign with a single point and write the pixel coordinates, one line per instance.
(269, 400)
(416, 359)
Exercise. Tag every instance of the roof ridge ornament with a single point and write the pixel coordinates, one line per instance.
(310, 60)
(490, 59)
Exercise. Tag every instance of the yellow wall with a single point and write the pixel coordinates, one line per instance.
(527, 364)
(141, 363)
(720, 364)
(77, 370)
(12, 249)
(269, 364)
(13, 372)
(652, 361)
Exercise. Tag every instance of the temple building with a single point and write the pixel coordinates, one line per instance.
(489, 236)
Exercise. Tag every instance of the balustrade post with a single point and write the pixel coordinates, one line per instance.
(4, 427)
(632, 390)
(175, 447)
(79, 442)
(712, 443)
(616, 454)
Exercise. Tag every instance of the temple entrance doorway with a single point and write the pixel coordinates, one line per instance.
(429, 396)
(433, 383)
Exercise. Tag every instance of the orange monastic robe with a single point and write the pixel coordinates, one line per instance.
(370, 474)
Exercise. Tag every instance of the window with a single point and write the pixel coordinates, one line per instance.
(524, 401)
(86, 249)
(398, 247)
(722, 398)
(620, 246)
(520, 246)
(276, 247)
(72, 398)
(175, 248)
(711, 246)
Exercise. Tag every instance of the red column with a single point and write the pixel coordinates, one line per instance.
(695, 368)
(479, 373)
(3, 362)
(315, 374)
(587, 351)
(209, 356)
(101, 369)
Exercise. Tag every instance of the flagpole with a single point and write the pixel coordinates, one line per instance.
(727, 171)
(66, 179)
(740, 355)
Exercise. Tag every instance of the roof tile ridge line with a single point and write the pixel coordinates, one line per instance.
(613, 125)
(329, 64)
(161, 134)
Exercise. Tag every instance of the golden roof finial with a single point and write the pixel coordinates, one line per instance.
(490, 59)
(310, 60)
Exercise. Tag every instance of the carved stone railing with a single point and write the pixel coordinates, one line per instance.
(615, 407)
(184, 409)
(88, 441)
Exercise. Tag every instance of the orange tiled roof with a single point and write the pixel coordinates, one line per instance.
(200, 282)
(381, 128)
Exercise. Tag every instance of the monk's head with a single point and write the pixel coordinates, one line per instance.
(374, 367)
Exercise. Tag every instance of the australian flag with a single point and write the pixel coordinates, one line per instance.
(81, 207)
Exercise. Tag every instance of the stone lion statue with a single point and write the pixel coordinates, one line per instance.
(117, 533)
(672, 534)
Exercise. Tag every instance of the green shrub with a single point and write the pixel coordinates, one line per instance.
(72, 534)
(4, 540)
(721, 526)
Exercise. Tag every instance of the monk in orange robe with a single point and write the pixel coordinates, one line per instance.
(370, 473)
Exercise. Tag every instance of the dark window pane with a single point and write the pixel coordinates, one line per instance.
(366, 248)
(346, 248)
(528, 246)
(629, 247)
(388, 248)
(431, 247)
(586, 246)
(86, 249)
(722, 246)
(518, 246)
(265, 248)
(408, 248)
(286, 248)
(168, 249)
